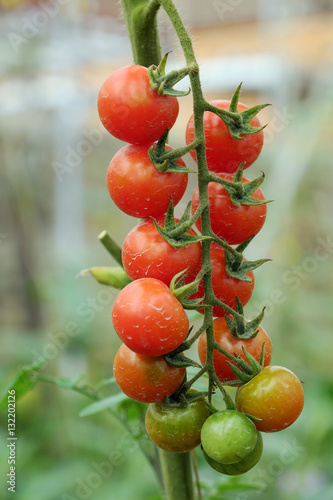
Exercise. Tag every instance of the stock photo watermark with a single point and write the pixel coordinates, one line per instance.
(75, 156)
(87, 310)
(293, 277)
(101, 471)
(31, 26)
(264, 476)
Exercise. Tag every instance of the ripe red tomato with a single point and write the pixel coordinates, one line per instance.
(138, 188)
(131, 110)
(146, 254)
(225, 288)
(144, 378)
(235, 224)
(176, 429)
(233, 345)
(275, 396)
(148, 318)
(223, 153)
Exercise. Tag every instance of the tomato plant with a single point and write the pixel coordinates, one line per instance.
(228, 436)
(148, 318)
(233, 223)
(147, 254)
(176, 429)
(225, 287)
(138, 188)
(233, 345)
(275, 396)
(131, 110)
(223, 152)
(244, 465)
(144, 378)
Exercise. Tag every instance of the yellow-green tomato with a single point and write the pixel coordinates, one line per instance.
(228, 436)
(176, 429)
(275, 396)
(243, 465)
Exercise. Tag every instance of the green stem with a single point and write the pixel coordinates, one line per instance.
(141, 21)
(111, 246)
(177, 473)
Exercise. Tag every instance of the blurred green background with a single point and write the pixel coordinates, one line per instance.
(54, 203)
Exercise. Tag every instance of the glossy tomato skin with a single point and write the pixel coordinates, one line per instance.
(228, 436)
(243, 465)
(138, 188)
(235, 224)
(176, 429)
(146, 254)
(233, 345)
(225, 288)
(275, 396)
(148, 318)
(223, 153)
(131, 110)
(144, 378)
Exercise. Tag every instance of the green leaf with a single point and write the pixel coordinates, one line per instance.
(103, 404)
(67, 383)
(22, 382)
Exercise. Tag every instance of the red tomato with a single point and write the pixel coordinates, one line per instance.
(233, 345)
(223, 153)
(146, 254)
(225, 288)
(148, 318)
(144, 378)
(235, 224)
(275, 396)
(131, 110)
(138, 188)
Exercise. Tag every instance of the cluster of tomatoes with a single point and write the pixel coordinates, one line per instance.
(148, 318)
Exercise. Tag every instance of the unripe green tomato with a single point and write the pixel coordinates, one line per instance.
(243, 465)
(228, 436)
(176, 429)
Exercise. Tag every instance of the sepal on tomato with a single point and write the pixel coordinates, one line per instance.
(180, 361)
(170, 225)
(254, 367)
(240, 328)
(239, 270)
(163, 83)
(166, 160)
(239, 124)
(181, 292)
(241, 193)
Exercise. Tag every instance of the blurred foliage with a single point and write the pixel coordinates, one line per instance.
(48, 234)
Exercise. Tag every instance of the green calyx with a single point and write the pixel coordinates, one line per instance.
(163, 83)
(181, 291)
(241, 193)
(241, 329)
(238, 268)
(238, 123)
(175, 233)
(166, 161)
(247, 370)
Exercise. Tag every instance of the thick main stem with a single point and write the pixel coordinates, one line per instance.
(177, 475)
(141, 22)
